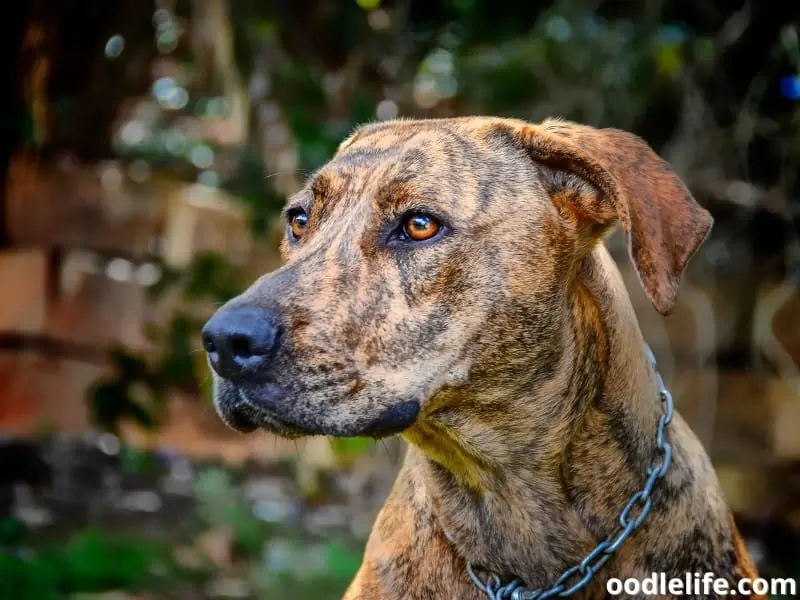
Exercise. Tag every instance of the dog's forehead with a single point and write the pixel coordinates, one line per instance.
(404, 150)
(440, 161)
(453, 137)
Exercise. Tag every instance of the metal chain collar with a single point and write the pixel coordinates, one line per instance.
(579, 576)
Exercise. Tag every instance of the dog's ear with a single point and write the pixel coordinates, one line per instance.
(664, 224)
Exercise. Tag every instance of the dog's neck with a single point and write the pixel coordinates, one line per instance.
(533, 494)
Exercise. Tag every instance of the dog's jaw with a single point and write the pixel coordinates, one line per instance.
(242, 414)
(246, 409)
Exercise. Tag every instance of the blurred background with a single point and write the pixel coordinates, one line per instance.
(145, 150)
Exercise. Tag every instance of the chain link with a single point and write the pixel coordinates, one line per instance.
(631, 517)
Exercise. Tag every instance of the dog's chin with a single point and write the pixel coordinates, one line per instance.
(260, 418)
(245, 415)
(247, 410)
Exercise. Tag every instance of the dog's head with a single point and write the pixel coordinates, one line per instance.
(429, 257)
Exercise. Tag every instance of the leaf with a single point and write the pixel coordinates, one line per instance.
(351, 447)
(12, 531)
(137, 462)
(96, 562)
(26, 580)
(111, 402)
(177, 367)
(211, 276)
(108, 402)
(129, 366)
(368, 4)
(669, 60)
(342, 561)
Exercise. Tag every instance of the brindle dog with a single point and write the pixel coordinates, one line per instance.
(447, 280)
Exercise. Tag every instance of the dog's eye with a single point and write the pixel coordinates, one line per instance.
(298, 223)
(420, 227)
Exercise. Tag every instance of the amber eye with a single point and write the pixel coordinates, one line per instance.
(298, 223)
(420, 227)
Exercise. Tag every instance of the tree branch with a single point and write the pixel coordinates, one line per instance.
(52, 347)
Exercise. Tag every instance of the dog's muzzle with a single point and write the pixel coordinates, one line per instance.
(242, 343)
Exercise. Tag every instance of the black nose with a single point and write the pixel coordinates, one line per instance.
(240, 341)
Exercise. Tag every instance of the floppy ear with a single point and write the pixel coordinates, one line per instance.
(664, 224)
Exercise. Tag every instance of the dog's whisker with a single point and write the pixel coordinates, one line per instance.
(303, 172)
(388, 454)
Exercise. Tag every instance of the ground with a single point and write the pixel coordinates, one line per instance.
(92, 519)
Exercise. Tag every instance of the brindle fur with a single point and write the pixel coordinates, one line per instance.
(515, 334)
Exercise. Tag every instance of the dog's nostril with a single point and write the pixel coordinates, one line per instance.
(241, 346)
(208, 343)
(240, 340)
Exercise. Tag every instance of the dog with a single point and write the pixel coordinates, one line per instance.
(446, 280)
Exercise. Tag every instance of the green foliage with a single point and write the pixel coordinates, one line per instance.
(176, 366)
(137, 389)
(211, 277)
(128, 396)
(343, 561)
(574, 65)
(12, 531)
(89, 561)
(274, 561)
(626, 65)
(349, 448)
(221, 505)
(298, 89)
(368, 4)
(137, 462)
(284, 563)
(252, 187)
(295, 568)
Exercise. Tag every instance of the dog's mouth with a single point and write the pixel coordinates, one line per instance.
(246, 411)
(247, 415)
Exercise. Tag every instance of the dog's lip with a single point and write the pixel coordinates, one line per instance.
(393, 420)
(241, 422)
(266, 419)
(248, 412)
